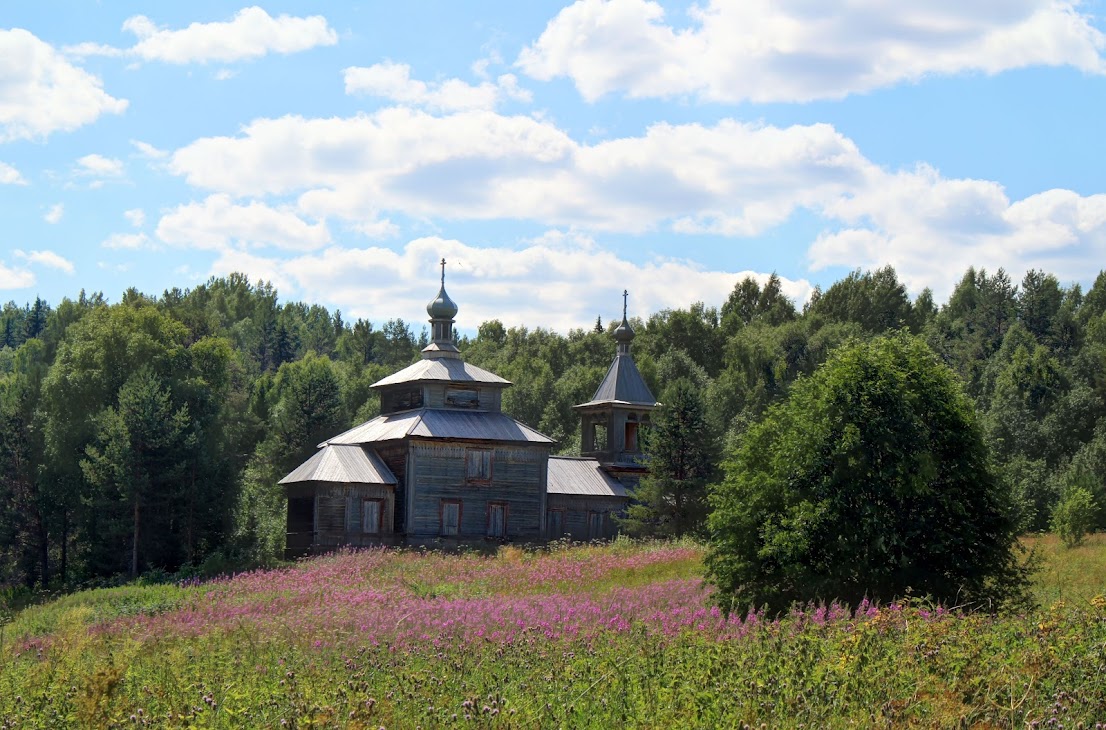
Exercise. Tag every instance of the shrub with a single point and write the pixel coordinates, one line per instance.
(871, 481)
(1074, 516)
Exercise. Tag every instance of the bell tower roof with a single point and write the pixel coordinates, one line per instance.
(623, 384)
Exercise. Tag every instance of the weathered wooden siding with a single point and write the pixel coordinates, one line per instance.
(576, 509)
(394, 455)
(330, 513)
(518, 480)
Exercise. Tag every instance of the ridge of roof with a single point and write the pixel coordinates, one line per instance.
(441, 423)
(442, 370)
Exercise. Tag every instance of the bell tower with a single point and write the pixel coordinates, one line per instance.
(622, 404)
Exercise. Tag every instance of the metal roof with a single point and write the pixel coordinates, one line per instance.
(573, 475)
(440, 423)
(623, 384)
(439, 368)
(342, 463)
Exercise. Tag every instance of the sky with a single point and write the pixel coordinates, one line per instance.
(554, 154)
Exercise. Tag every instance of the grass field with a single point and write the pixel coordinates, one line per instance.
(582, 636)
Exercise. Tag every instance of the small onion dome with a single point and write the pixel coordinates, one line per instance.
(442, 307)
(624, 333)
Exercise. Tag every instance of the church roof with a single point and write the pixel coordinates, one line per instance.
(444, 424)
(341, 463)
(572, 475)
(442, 369)
(622, 385)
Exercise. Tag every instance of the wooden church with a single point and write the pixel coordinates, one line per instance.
(443, 463)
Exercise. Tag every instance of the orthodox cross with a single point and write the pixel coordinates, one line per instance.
(443, 271)
(625, 294)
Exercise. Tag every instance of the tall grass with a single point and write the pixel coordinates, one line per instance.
(576, 636)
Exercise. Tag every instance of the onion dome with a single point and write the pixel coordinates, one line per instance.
(442, 307)
(624, 333)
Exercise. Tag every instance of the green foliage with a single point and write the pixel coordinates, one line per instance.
(871, 480)
(1033, 359)
(680, 450)
(133, 468)
(874, 300)
(1075, 515)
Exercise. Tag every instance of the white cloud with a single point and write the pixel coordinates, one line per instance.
(99, 166)
(795, 50)
(393, 81)
(55, 213)
(135, 216)
(41, 92)
(10, 176)
(148, 150)
(478, 165)
(218, 223)
(731, 179)
(15, 278)
(49, 259)
(562, 282)
(932, 228)
(251, 33)
(126, 241)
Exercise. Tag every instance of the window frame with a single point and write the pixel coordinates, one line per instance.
(483, 476)
(466, 398)
(549, 523)
(594, 515)
(495, 505)
(381, 504)
(442, 504)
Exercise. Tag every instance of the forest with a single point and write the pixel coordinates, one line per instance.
(148, 435)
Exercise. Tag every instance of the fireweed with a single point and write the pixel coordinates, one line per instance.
(588, 636)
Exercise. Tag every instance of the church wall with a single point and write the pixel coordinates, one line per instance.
(517, 481)
(333, 516)
(577, 516)
(394, 456)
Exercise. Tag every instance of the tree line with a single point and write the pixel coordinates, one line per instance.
(149, 434)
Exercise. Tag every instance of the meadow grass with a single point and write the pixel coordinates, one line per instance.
(574, 636)
(1071, 574)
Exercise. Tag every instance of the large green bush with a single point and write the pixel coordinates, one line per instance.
(871, 480)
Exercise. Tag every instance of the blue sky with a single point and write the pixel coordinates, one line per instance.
(553, 153)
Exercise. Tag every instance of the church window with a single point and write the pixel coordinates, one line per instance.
(497, 519)
(404, 400)
(556, 527)
(599, 436)
(478, 465)
(372, 516)
(462, 398)
(596, 525)
(450, 517)
(631, 436)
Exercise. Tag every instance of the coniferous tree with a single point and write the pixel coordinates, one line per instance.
(679, 449)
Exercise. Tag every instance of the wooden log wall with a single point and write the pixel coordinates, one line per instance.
(576, 510)
(518, 480)
(331, 501)
(394, 456)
